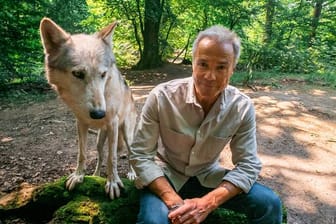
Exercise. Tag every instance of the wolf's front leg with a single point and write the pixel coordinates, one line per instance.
(114, 183)
(78, 176)
(124, 139)
(128, 133)
(100, 144)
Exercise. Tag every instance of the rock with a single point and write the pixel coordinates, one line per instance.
(87, 203)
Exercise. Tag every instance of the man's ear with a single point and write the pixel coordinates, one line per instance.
(52, 36)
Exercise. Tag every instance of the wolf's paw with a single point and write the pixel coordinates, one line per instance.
(74, 179)
(131, 175)
(113, 187)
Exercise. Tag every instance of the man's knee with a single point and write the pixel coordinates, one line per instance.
(152, 210)
(267, 206)
(152, 219)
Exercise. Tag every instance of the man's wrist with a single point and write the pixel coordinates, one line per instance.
(227, 186)
(175, 206)
(171, 199)
(230, 188)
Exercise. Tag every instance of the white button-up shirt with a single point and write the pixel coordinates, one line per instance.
(192, 142)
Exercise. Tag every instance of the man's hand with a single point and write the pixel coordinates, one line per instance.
(197, 209)
(161, 187)
(192, 211)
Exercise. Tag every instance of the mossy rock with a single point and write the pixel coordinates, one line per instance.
(87, 203)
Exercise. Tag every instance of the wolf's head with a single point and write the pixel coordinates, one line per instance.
(79, 67)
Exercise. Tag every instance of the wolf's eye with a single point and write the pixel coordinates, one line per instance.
(103, 75)
(78, 74)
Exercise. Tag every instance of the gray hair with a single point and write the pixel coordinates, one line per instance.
(222, 34)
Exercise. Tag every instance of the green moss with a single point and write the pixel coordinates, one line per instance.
(225, 216)
(92, 186)
(90, 204)
(284, 215)
(80, 210)
(52, 192)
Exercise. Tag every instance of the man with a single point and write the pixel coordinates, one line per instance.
(195, 118)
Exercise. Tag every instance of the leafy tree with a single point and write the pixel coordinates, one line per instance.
(146, 18)
(69, 14)
(280, 35)
(21, 54)
(20, 39)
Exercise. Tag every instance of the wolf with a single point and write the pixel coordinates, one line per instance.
(82, 69)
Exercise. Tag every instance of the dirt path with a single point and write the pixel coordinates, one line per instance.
(296, 139)
(297, 144)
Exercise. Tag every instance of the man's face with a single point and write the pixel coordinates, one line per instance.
(213, 65)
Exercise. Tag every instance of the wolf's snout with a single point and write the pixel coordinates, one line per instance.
(97, 114)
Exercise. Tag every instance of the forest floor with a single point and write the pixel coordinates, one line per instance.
(296, 132)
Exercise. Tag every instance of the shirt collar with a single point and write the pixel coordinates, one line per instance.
(191, 97)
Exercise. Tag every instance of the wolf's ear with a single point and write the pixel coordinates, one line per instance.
(52, 35)
(107, 32)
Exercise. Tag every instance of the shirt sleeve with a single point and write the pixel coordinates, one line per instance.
(144, 146)
(244, 153)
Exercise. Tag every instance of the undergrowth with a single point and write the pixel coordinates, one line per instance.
(39, 91)
(276, 79)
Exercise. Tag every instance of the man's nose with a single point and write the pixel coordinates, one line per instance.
(210, 75)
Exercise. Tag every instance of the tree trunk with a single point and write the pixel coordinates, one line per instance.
(150, 57)
(315, 21)
(270, 9)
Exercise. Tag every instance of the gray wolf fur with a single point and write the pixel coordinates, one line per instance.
(83, 71)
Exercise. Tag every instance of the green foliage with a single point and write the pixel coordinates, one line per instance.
(69, 14)
(277, 79)
(21, 53)
(18, 32)
(126, 38)
(226, 216)
(284, 36)
(289, 59)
